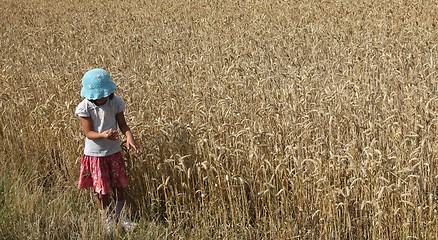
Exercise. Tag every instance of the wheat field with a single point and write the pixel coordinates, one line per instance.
(257, 119)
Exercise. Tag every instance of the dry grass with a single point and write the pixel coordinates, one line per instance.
(258, 119)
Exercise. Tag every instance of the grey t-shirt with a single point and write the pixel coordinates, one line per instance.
(103, 118)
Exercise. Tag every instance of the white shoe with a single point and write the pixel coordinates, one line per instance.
(109, 224)
(128, 225)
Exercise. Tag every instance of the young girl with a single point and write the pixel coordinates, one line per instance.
(102, 166)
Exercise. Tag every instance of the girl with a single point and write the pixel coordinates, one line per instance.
(102, 166)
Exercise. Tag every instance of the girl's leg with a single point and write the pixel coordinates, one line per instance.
(119, 199)
(104, 201)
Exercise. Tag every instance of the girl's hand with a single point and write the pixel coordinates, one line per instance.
(110, 134)
(131, 144)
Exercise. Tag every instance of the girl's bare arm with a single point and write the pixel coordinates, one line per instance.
(124, 128)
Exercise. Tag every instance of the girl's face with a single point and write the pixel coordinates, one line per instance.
(101, 101)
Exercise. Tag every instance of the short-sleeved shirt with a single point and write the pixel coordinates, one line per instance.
(103, 118)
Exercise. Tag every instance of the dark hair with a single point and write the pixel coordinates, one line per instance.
(111, 96)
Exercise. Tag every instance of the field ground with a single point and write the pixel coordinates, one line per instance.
(257, 119)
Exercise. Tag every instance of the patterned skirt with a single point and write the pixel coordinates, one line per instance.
(103, 173)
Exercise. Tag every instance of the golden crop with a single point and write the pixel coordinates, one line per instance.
(257, 119)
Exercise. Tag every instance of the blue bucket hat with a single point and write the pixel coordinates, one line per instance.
(96, 84)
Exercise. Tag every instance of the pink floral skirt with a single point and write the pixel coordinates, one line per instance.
(103, 173)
